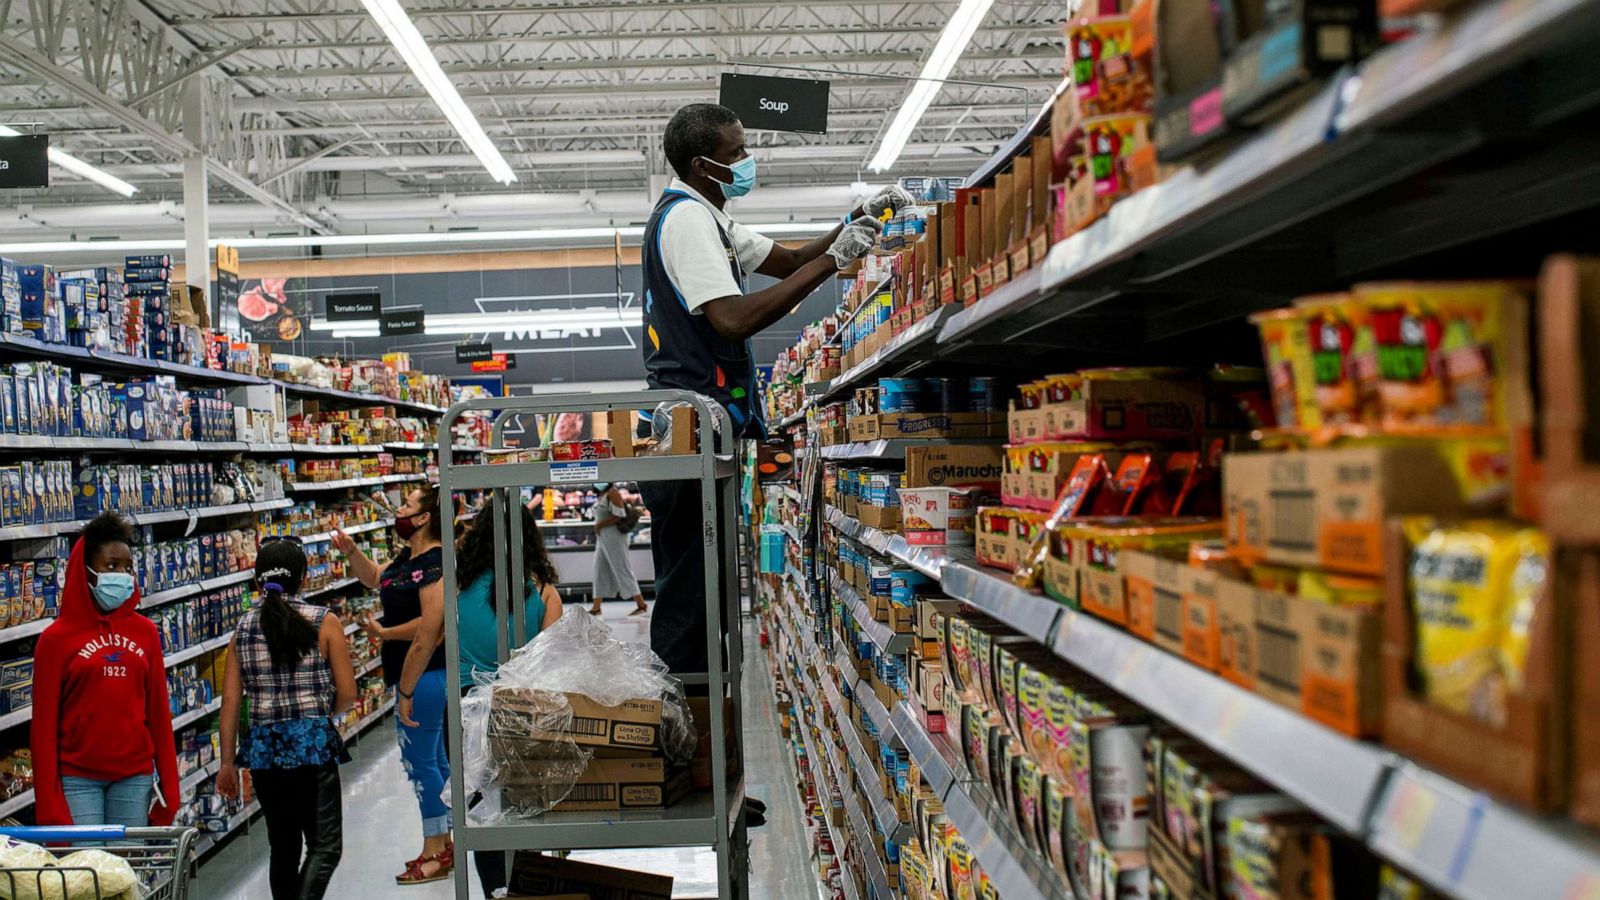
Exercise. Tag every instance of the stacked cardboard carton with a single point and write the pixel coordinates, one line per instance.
(629, 769)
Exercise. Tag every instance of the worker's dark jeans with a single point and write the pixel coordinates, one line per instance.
(678, 623)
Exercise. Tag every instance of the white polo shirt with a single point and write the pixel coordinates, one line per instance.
(693, 253)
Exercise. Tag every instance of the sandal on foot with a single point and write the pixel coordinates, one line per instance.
(414, 873)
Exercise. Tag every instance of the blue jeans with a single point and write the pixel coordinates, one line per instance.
(125, 802)
(422, 752)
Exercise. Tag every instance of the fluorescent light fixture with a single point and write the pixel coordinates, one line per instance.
(80, 168)
(405, 37)
(489, 323)
(952, 43)
(773, 229)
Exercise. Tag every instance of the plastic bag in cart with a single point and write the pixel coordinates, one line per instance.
(518, 747)
(30, 872)
(661, 424)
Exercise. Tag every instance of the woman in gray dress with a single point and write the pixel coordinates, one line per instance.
(613, 575)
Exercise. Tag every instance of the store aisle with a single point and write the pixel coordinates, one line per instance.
(381, 819)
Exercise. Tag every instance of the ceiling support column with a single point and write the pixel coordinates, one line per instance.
(196, 205)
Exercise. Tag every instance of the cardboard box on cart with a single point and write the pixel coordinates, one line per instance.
(633, 725)
(534, 875)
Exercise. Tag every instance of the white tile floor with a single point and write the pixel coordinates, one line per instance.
(382, 829)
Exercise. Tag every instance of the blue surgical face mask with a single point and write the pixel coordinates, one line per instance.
(744, 176)
(112, 589)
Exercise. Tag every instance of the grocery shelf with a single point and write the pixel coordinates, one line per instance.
(28, 346)
(929, 560)
(899, 348)
(795, 418)
(51, 529)
(839, 706)
(875, 712)
(1015, 870)
(195, 715)
(330, 587)
(25, 630)
(1335, 776)
(790, 531)
(426, 446)
(691, 822)
(16, 718)
(1364, 131)
(940, 767)
(337, 449)
(306, 390)
(363, 528)
(199, 776)
(882, 808)
(17, 804)
(341, 484)
(877, 880)
(200, 649)
(41, 442)
(369, 665)
(886, 640)
(211, 839)
(851, 527)
(146, 601)
(1474, 848)
(839, 836)
(1034, 615)
(861, 307)
(888, 449)
(1425, 70)
(365, 721)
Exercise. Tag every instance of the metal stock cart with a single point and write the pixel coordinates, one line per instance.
(161, 859)
(703, 819)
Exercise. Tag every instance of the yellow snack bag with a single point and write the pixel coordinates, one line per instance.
(1339, 590)
(1529, 578)
(1462, 595)
(1286, 347)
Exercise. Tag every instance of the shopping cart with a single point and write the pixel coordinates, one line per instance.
(160, 858)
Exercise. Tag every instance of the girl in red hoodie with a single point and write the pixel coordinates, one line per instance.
(102, 730)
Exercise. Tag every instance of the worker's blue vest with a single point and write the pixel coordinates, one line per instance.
(682, 349)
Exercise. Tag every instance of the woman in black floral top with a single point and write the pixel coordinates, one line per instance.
(410, 582)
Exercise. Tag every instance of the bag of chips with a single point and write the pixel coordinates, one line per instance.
(1474, 587)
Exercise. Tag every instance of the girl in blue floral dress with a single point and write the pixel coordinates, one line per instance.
(293, 662)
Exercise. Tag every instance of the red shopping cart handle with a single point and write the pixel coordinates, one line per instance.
(69, 834)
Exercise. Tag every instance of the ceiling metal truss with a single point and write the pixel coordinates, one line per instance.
(308, 102)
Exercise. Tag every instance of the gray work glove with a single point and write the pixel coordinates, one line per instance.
(894, 197)
(854, 241)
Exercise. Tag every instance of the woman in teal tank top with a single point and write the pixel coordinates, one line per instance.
(477, 625)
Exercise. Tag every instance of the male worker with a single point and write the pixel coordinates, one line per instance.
(698, 324)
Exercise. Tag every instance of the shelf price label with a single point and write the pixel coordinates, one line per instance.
(1409, 813)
